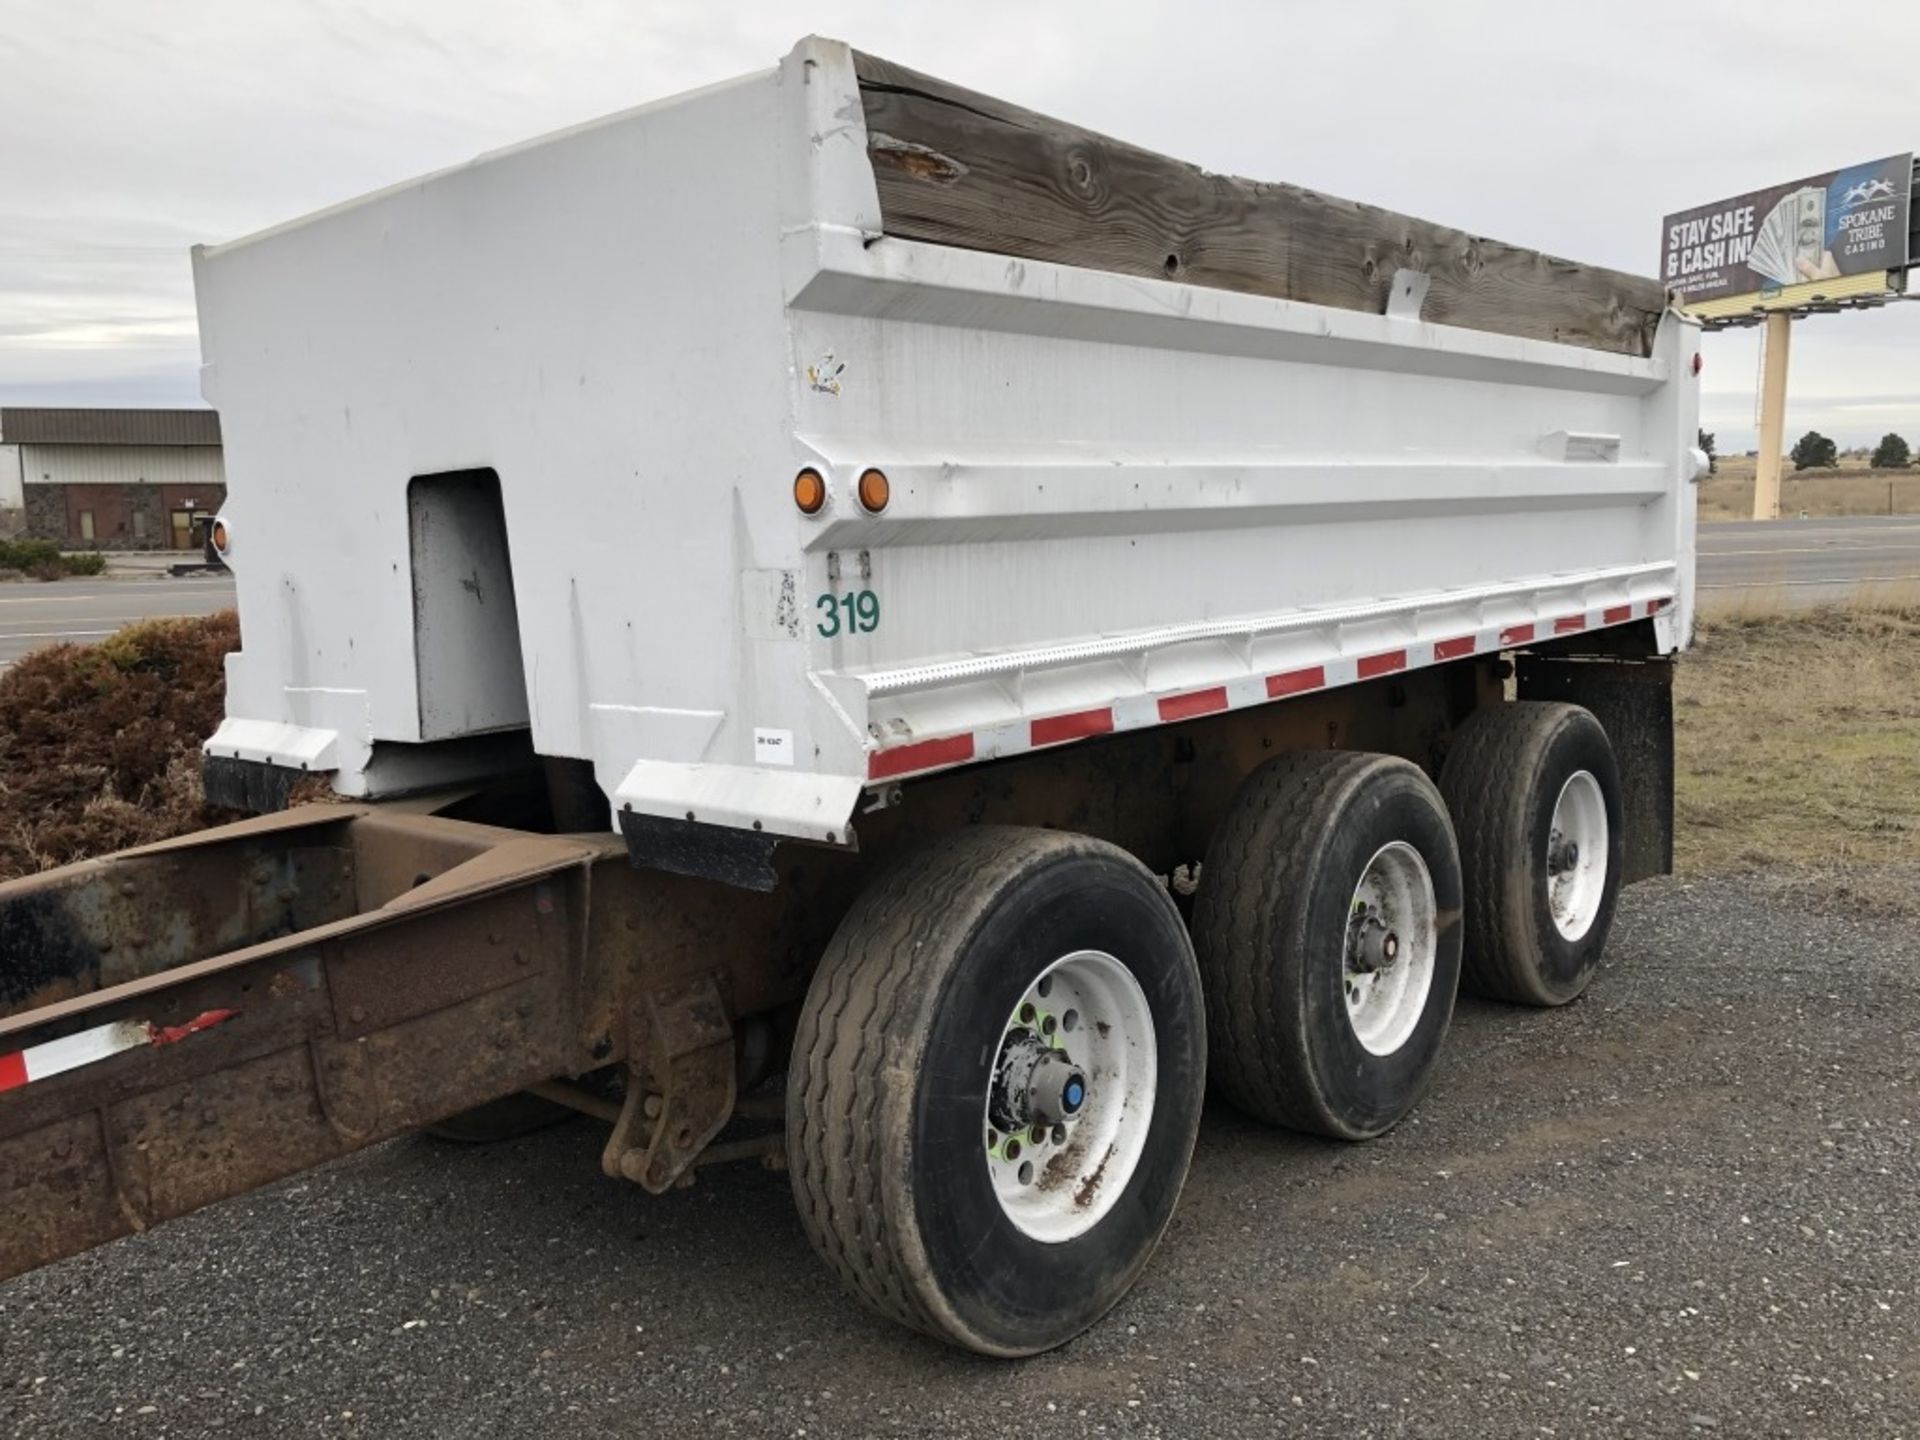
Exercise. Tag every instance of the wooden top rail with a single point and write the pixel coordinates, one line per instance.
(963, 169)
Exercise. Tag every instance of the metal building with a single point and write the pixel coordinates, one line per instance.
(113, 479)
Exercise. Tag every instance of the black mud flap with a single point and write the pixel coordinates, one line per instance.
(255, 786)
(1633, 700)
(707, 852)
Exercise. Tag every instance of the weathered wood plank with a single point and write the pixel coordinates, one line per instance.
(958, 168)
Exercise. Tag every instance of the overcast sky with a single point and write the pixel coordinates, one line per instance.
(129, 131)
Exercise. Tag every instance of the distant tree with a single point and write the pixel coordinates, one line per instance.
(1706, 444)
(1814, 451)
(1892, 453)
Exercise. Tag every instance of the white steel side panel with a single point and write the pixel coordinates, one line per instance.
(1114, 501)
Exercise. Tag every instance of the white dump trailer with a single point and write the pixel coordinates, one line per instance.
(854, 624)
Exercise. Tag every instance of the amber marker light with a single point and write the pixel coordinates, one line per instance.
(810, 491)
(874, 491)
(220, 536)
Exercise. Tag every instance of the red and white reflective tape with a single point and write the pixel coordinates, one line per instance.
(70, 1052)
(1138, 712)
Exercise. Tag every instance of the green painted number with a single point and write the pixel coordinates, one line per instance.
(857, 613)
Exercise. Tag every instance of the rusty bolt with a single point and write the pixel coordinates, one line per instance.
(652, 1106)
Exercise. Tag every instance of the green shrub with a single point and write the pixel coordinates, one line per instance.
(43, 561)
(25, 554)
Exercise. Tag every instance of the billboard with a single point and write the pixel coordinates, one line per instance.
(1827, 237)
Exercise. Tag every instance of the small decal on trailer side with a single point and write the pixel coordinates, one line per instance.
(772, 747)
(824, 374)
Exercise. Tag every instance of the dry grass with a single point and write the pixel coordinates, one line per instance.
(99, 745)
(1775, 602)
(1853, 489)
(1797, 744)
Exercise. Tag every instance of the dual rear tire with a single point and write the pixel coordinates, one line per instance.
(1328, 936)
(996, 1084)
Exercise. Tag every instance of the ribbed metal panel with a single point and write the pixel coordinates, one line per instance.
(109, 427)
(121, 465)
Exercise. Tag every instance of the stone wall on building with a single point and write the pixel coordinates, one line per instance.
(119, 517)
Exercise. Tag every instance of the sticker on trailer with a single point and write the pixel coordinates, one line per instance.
(772, 747)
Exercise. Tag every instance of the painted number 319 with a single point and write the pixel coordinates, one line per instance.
(855, 613)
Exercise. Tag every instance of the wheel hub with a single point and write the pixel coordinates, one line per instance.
(1371, 946)
(1035, 1084)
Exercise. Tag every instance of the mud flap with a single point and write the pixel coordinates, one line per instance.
(1633, 700)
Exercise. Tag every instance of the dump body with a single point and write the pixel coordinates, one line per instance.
(511, 449)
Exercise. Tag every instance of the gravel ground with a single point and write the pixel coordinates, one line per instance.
(1687, 1204)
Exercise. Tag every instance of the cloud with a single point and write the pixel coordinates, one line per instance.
(135, 130)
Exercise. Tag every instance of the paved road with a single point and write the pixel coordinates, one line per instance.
(32, 615)
(1809, 562)
(1689, 1204)
(1798, 561)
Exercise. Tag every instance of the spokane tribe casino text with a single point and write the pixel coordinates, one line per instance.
(1710, 243)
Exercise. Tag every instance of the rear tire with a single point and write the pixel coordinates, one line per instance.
(937, 1007)
(1314, 1020)
(1522, 781)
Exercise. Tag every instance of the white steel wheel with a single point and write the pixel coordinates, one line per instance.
(1392, 939)
(1070, 1102)
(1577, 855)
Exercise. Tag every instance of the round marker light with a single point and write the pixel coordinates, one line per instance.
(810, 491)
(874, 491)
(220, 537)
(1699, 362)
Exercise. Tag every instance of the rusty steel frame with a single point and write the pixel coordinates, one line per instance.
(415, 967)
